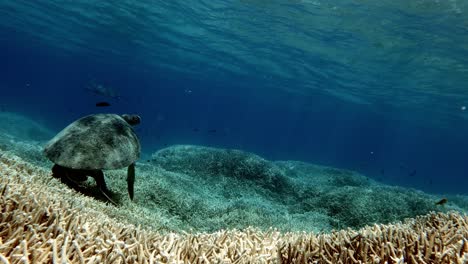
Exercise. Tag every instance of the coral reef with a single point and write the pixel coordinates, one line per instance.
(208, 189)
(434, 238)
(43, 223)
(22, 127)
(23, 136)
(356, 206)
(222, 162)
(199, 189)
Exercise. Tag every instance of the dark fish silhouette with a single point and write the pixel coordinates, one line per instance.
(442, 201)
(412, 173)
(102, 104)
(195, 129)
(212, 131)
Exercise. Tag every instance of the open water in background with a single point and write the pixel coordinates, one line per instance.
(374, 86)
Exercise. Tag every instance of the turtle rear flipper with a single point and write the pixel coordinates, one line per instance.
(108, 197)
(131, 179)
(101, 184)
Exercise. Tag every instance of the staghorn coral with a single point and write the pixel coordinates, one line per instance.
(43, 224)
(434, 238)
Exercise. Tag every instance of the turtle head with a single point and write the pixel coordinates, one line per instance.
(132, 119)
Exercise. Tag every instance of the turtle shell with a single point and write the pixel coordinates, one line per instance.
(94, 142)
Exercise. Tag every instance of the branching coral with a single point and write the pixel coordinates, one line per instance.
(39, 224)
(435, 238)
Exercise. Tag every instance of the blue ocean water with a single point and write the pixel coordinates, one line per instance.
(374, 86)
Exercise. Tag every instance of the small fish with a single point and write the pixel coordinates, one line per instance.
(102, 104)
(195, 129)
(212, 131)
(412, 173)
(442, 201)
(382, 171)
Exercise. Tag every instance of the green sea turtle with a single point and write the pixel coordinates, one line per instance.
(93, 143)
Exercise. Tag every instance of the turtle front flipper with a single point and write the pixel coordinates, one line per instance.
(131, 179)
